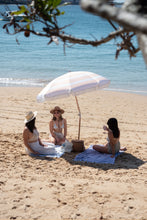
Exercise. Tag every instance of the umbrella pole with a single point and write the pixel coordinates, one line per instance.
(79, 117)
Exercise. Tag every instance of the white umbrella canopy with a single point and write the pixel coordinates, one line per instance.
(73, 83)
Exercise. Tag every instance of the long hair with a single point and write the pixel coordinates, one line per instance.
(31, 125)
(113, 125)
(54, 118)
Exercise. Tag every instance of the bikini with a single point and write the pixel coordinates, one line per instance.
(58, 134)
(56, 127)
(34, 137)
(116, 147)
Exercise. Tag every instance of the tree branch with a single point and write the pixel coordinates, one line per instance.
(130, 21)
(47, 16)
(74, 40)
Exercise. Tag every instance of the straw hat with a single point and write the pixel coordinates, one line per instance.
(30, 116)
(56, 108)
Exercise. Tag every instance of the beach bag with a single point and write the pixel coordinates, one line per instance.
(78, 145)
(67, 146)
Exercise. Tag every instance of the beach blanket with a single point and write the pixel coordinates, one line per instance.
(56, 153)
(92, 156)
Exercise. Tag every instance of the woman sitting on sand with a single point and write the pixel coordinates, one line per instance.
(57, 126)
(31, 137)
(113, 145)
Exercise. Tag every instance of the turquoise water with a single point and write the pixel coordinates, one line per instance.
(34, 63)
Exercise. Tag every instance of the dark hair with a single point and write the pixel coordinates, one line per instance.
(54, 118)
(113, 125)
(31, 125)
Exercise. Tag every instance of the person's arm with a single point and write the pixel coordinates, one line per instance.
(65, 128)
(40, 142)
(105, 128)
(25, 140)
(112, 144)
(51, 128)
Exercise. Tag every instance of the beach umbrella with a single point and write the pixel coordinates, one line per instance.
(73, 83)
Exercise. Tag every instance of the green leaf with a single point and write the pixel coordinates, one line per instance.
(28, 27)
(56, 3)
(21, 11)
(57, 12)
(27, 20)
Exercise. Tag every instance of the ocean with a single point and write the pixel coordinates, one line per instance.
(35, 63)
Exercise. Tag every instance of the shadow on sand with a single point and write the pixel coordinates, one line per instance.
(123, 161)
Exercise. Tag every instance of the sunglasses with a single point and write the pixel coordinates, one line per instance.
(56, 112)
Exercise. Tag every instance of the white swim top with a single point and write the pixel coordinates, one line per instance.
(35, 136)
(56, 127)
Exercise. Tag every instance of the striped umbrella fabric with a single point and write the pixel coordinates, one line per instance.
(73, 83)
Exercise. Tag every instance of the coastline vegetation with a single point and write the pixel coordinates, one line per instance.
(15, 1)
(25, 2)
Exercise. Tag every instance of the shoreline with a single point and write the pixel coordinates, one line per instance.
(121, 90)
(33, 188)
(23, 94)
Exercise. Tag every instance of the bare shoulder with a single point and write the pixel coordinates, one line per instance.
(25, 131)
(51, 122)
(110, 134)
(64, 120)
(110, 131)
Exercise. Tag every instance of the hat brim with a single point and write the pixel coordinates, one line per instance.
(34, 116)
(60, 110)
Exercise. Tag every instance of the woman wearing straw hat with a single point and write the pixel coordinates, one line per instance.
(57, 126)
(31, 137)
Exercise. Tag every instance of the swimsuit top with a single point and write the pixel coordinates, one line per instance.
(35, 136)
(56, 127)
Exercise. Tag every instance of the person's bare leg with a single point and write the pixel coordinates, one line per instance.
(123, 148)
(52, 140)
(99, 148)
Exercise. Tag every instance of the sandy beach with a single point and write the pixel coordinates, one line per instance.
(59, 188)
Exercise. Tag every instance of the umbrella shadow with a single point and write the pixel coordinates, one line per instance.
(123, 161)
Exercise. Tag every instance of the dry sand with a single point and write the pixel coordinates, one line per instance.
(60, 188)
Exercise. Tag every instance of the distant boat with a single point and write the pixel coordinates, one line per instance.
(7, 16)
